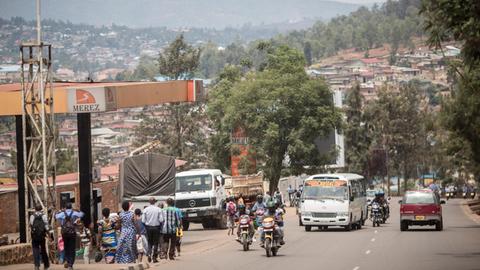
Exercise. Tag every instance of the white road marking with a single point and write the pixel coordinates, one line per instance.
(356, 268)
(373, 240)
(376, 231)
(367, 252)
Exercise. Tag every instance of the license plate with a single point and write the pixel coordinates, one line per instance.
(268, 230)
(419, 217)
(244, 226)
(192, 214)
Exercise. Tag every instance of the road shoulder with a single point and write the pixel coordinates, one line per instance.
(469, 213)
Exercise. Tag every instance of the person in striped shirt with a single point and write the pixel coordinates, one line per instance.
(171, 222)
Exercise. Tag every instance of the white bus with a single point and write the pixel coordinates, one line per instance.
(334, 200)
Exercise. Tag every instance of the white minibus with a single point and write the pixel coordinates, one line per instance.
(334, 200)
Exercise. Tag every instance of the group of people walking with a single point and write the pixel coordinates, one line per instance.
(122, 238)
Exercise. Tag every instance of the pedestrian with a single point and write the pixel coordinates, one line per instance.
(290, 194)
(127, 246)
(179, 234)
(171, 222)
(151, 220)
(61, 248)
(39, 229)
(108, 236)
(69, 219)
(231, 210)
(85, 242)
(142, 243)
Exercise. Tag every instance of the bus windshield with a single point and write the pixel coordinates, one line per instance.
(193, 183)
(325, 189)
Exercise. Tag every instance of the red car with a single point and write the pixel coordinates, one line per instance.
(422, 208)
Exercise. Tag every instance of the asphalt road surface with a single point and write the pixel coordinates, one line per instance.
(456, 247)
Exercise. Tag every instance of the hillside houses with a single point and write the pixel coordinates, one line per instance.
(374, 73)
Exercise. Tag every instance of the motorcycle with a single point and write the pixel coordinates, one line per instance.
(272, 243)
(376, 215)
(448, 195)
(245, 238)
(464, 195)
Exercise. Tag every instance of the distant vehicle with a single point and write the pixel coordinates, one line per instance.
(200, 195)
(422, 208)
(333, 200)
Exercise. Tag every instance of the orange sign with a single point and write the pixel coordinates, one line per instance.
(325, 183)
(85, 97)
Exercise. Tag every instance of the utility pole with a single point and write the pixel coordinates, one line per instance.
(38, 127)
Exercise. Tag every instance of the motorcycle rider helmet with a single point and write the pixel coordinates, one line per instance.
(259, 198)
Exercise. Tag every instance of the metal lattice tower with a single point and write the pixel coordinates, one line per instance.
(38, 126)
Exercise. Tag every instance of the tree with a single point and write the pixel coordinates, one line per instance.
(307, 51)
(181, 126)
(179, 60)
(65, 156)
(396, 126)
(219, 141)
(282, 111)
(357, 140)
(458, 20)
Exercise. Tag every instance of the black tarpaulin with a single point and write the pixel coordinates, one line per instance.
(148, 174)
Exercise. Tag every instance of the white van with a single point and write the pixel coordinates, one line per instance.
(334, 200)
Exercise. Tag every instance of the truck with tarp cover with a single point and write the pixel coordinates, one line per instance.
(147, 175)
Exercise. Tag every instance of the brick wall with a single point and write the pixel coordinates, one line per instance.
(110, 197)
(9, 203)
(8, 212)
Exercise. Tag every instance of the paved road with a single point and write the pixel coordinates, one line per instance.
(457, 247)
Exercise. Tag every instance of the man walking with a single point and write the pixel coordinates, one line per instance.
(151, 219)
(68, 220)
(290, 194)
(170, 224)
(39, 227)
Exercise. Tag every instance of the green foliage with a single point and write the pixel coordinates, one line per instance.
(180, 127)
(395, 23)
(454, 20)
(462, 115)
(397, 128)
(65, 156)
(357, 139)
(459, 20)
(281, 109)
(179, 60)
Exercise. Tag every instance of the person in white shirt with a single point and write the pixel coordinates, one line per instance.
(151, 218)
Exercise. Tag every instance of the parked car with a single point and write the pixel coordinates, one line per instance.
(422, 208)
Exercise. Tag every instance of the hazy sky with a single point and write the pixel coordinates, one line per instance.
(182, 13)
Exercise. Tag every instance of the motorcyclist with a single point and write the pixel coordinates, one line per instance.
(380, 199)
(258, 210)
(278, 217)
(242, 211)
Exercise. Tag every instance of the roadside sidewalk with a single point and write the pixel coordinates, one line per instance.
(468, 212)
(81, 266)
